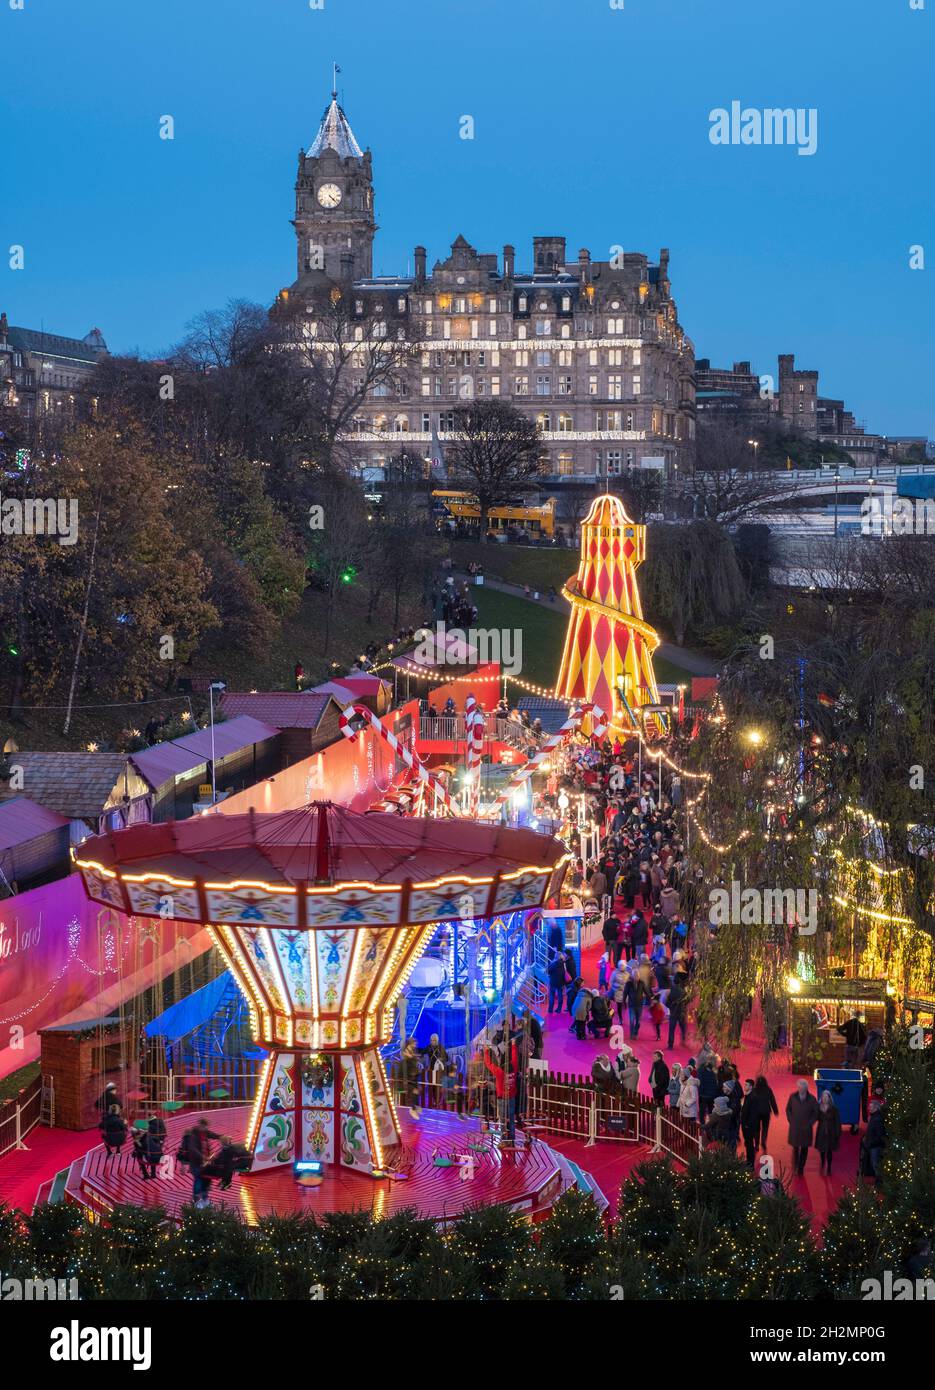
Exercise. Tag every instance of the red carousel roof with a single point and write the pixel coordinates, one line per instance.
(315, 850)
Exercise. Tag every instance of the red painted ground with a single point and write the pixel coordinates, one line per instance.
(50, 1150)
(816, 1192)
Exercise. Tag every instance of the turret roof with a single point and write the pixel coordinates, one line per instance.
(335, 133)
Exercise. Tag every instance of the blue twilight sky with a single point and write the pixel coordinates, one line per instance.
(589, 121)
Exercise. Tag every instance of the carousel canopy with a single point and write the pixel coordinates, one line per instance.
(316, 865)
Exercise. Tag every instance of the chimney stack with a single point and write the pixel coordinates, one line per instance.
(584, 265)
(419, 258)
(509, 259)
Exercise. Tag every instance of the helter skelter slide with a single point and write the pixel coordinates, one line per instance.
(607, 637)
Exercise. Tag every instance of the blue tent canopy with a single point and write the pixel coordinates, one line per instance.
(188, 1014)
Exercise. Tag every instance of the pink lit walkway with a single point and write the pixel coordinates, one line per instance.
(609, 1162)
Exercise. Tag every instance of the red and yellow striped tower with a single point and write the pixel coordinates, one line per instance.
(607, 636)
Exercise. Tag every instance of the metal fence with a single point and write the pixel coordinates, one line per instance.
(19, 1115)
(574, 1105)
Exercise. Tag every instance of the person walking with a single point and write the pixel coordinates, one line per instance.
(659, 1079)
(765, 1107)
(749, 1121)
(802, 1114)
(675, 1085)
(827, 1131)
(874, 1141)
(194, 1153)
(618, 983)
(677, 1004)
(505, 1083)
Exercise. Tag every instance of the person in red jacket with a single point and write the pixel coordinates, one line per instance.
(505, 1083)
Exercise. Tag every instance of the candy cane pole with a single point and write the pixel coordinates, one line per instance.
(411, 760)
(474, 738)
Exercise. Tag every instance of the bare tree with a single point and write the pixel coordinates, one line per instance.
(495, 452)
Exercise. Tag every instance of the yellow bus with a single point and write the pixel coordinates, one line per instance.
(463, 506)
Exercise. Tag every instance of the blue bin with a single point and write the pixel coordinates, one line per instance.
(846, 1086)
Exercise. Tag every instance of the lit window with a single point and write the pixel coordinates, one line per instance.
(615, 387)
(543, 386)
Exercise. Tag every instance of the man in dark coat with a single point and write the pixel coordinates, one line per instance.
(855, 1035)
(802, 1113)
(659, 1079)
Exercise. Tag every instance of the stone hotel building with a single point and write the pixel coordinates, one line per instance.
(592, 349)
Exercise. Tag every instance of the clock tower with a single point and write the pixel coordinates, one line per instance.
(334, 223)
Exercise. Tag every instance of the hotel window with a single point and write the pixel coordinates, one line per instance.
(544, 420)
(401, 424)
(615, 386)
(491, 306)
(667, 392)
(461, 306)
(566, 330)
(482, 359)
(446, 421)
(629, 458)
(629, 424)
(474, 329)
(521, 386)
(426, 420)
(543, 359)
(482, 386)
(492, 328)
(437, 382)
(565, 357)
(615, 325)
(426, 306)
(592, 357)
(613, 461)
(521, 330)
(615, 357)
(495, 386)
(543, 386)
(381, 389)
(655, 422)
(521, 358)
(446, 328)
(521, 304)
(401, 304)
(565, 423)
(564, 386)
(608, 419)
(636, 357)
(426, 359)
(592, 386)
(543, 328)
(636, 383)
(428, 328)
(379, 329)
(566, 303)
(358, 334)
(495, 357)
(566, 465)
(358, 306)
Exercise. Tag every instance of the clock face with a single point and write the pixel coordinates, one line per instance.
(329, 195)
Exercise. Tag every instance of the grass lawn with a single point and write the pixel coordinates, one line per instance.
(517, 564)
(11, 1085)
(542, 629)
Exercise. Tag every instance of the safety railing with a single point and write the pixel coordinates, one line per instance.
(565, 1104)
(18, 1115)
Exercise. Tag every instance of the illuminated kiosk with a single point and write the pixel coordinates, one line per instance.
(607, 638)
(321, 914)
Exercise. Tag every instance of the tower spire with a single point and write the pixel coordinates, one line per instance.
(334, 81)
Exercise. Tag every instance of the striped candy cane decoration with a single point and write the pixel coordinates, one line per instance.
(571, 725)
(411, 760)
(474, 724)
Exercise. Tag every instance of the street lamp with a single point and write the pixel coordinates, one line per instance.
(754, 445)
(753, 736)
(214, 686)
